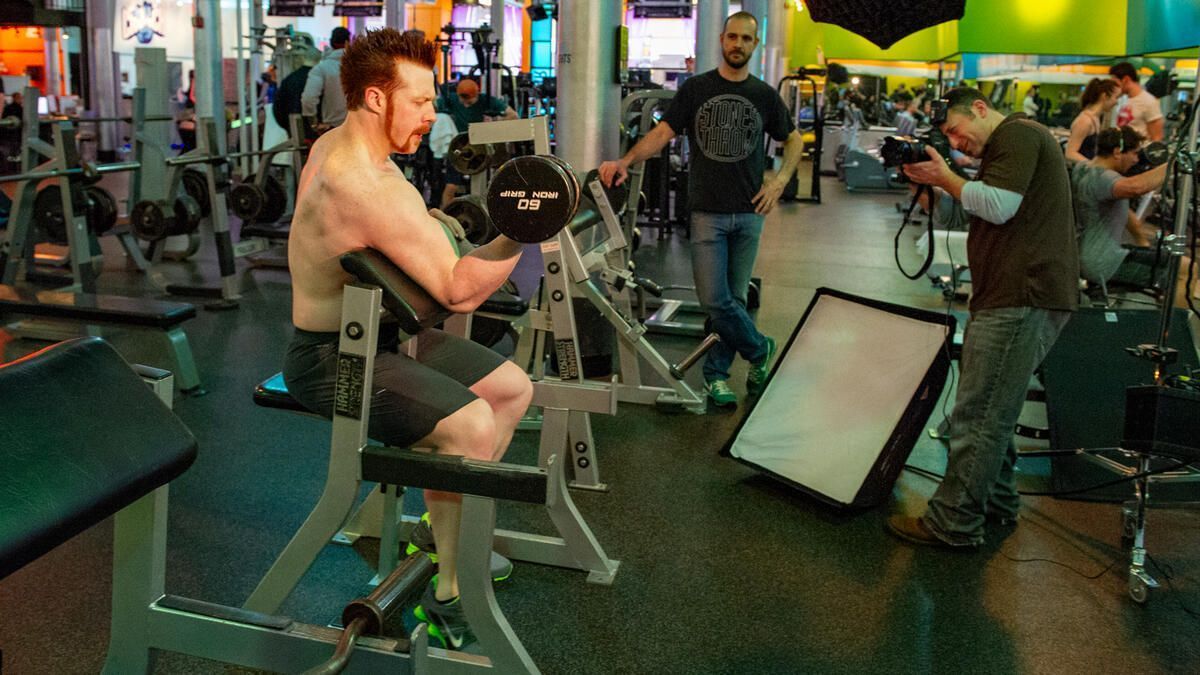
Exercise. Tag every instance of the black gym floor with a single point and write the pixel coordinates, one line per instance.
(723, 570)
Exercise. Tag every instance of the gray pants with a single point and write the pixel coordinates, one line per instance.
(1001, 349)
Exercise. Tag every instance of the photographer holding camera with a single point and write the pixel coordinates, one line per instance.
(1102, 190)
(1025, 274)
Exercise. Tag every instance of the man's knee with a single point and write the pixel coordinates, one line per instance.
(514, 385)
(468, 431)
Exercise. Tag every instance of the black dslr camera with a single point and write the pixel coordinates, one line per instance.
(897, 150)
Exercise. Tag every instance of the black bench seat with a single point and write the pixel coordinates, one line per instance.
(61, 473)
(90, 307)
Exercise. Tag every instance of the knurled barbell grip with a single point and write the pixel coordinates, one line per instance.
(680, 369)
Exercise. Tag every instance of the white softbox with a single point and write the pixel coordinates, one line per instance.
(847, 399)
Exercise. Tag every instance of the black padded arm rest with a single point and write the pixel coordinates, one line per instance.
(412, 306)
(449, 473)
(83, 437)
(113, 309)
(504, 303)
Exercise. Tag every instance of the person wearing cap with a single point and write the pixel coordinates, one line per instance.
(323, 103)
(466, 106)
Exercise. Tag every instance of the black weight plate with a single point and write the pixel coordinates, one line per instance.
(187, 216)
(276, 201)
(467, 159)
(48, 215)
(531, 198)
(148, 220)
(195, 184)
(471, 213)
(247, 201)
(102, 210)
(570, 173)
(618, 195)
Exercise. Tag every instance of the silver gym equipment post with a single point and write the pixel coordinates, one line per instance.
(587, 124)
(709, 22)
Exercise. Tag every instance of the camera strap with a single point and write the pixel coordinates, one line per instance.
(921, 189)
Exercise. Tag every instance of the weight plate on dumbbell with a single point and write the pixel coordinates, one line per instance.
(468, 159)
(571, 177)
(102, 210)
(276, 201)
(48, 215)
(187, 216)
(471, 212)
(531, 198)
(148, 221)
(247, 201)
(195, 185)
(618, 195)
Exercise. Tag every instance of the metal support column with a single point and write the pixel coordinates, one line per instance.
(103, 89)
(589, 98)
(709, 21)
(210, 87)
(497, 23)
(759, 9)
(773, 39)
(394, 14)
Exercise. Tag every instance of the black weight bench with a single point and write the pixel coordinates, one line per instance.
(112, 310)
(70, 465)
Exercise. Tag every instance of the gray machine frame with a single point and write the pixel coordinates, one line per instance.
(145, 618)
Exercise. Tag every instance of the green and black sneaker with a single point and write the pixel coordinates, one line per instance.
(756, 378)
(721, 395)
(421, 539)
(447, 621)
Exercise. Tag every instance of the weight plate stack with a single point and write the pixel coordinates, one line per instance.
(466, 158)
(195, 185)
(187, 216)
(275, 203)
(48, 215)
(148, 221)
(247, 201)
(101, 209)
(471, 212)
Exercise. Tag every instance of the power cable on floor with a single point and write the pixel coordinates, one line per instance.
(1168, 573)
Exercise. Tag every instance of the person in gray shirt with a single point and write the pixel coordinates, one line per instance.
(323, 104)
(1101, 194)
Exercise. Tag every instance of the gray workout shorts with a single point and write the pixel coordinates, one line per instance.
(410, 395)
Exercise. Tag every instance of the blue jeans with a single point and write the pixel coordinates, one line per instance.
(724, 246)
(1001, 349)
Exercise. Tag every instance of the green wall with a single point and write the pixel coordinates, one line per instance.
(1074, 27)
(1088, 27)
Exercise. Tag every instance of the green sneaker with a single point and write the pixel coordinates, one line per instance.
(721, 395)
(756, 379)
(421, 540)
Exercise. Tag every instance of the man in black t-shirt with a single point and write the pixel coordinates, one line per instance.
(725, 113)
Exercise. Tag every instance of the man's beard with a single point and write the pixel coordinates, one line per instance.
(729, 57)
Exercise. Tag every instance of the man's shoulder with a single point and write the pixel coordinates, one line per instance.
(1021, 129)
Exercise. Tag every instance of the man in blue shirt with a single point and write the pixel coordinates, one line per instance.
(467, 106)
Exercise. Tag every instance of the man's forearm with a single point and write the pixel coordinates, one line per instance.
(793, 150)
(650, 145)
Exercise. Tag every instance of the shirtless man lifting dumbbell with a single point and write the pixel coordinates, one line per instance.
(455, 396)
